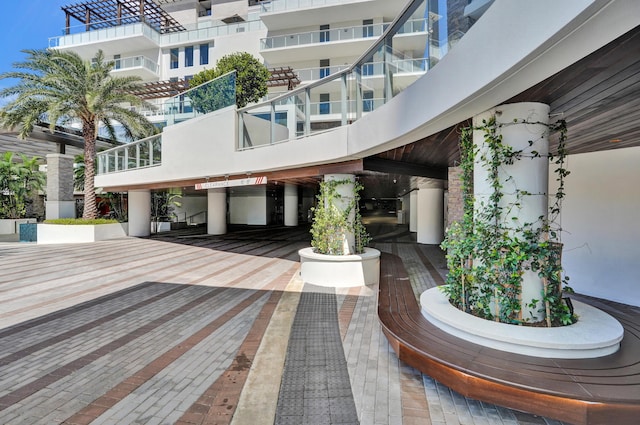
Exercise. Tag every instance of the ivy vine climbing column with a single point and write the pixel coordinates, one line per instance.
(511, 182)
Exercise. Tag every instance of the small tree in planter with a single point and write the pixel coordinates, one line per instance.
(337, 221)
(18, 182)
(338, 255)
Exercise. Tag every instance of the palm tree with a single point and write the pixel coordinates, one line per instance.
(60, 88)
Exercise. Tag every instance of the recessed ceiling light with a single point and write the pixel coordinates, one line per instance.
(615, 141)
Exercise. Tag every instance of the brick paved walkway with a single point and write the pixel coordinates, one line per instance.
(195, 329)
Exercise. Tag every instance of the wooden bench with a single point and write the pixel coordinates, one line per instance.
(596, 391)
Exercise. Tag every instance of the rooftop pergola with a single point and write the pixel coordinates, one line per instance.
(99, 14)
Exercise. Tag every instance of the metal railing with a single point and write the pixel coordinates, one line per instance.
(202, 30)
(203, 99)
(359, 32)
(344, 96)
(139, 154)
(282, 5)
(93, 36)
(135, 62)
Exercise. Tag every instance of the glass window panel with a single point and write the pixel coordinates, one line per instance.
(173, 58)
(188, 56)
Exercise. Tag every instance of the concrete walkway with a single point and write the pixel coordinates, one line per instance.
(195, 329)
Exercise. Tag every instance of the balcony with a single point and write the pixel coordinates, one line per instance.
(140, 154)
(134, 37)
(279, 15)
(141, 36)
(136, 66)
(369, 69)
(352, 41)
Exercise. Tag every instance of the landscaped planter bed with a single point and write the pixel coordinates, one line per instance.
(80, 233)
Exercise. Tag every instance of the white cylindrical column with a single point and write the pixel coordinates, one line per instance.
(290, 204)
(139, 212)
(413, 211)
(345, 191)
(217, 211)
(530, 175)
(430, 217)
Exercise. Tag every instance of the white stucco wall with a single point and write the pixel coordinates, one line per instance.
(191, 205)
(248, 205)
(600, 220)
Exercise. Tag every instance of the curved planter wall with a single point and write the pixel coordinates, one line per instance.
(595, 334)
(340, 270)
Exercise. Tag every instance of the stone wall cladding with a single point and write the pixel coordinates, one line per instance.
(59, 177)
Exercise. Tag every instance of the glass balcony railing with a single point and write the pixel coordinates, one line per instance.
(207, 30)
(203, 30)
(323, 36)
(340, 34)
(135, 62)
(209, 97)
(139, 154)
(281, 5)
(76, 38)
(342, 96)
(369, 69)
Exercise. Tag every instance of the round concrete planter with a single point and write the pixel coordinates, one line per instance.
(595, 334)
(340, 270)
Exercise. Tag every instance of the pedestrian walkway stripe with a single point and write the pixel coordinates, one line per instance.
(315, 386)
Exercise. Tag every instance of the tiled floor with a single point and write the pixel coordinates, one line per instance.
(199, 329)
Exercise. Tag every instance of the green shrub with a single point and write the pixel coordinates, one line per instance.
(75, 221)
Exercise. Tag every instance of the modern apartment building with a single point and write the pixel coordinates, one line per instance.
(378, 89)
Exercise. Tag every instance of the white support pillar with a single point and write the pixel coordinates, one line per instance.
(530, 175)
(139, 212)
(346, 193)
(430, 207)
(413, 211)
(217, 211)
(290, 204)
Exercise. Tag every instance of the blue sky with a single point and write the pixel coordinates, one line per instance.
(28, 25)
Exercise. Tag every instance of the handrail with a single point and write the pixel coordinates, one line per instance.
(347, 95)
(408, 9)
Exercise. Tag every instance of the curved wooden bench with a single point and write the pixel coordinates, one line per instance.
(603, 390)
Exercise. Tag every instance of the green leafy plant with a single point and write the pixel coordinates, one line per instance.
(19, 180)
(80, 221)
(332, 223)
(487, 256)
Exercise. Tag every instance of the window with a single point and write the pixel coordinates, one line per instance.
(204, 54)
(367, 68)
(324, 33)
(325, 105)
(117, 64)
(324, 68)
(188, 56)
(173, 58)
(367, 101)
(367, 28)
